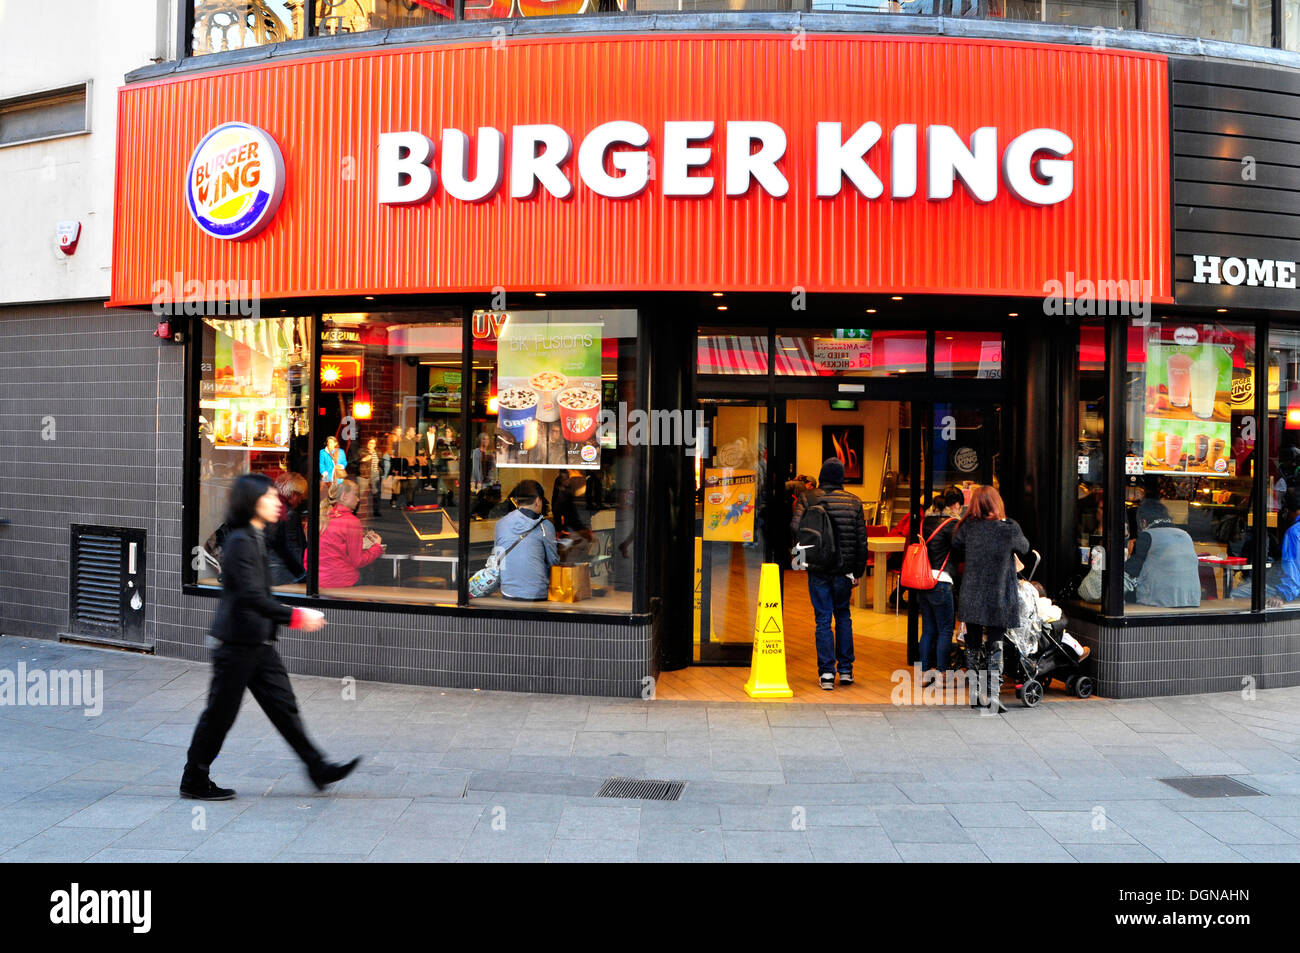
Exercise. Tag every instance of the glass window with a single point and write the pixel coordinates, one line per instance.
(502, 9)
(1291, 25)
(354, 16)
(731, 351)
(254, 417)
(968, 354)
(1232, 21)
(387, 456)
(221, 25)
(1189, 516)
(850, 352)
(1090, 450)
(60, 112)
(1282, 572)
(555, 407)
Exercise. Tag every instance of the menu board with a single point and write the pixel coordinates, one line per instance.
(548, 396)
(729, 504)
(1188, 417)
(246, 389)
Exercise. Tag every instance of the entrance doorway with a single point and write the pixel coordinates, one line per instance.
(749, 474)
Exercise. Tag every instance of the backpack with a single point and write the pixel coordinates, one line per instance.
(916, 572)
(815, 547)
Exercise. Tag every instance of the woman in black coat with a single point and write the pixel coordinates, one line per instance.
(245, 657)
(989, 602)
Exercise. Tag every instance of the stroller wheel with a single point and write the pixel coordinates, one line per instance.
(1082, 686)
(1031, 693)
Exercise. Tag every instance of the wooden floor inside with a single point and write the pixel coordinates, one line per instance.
(879, 643)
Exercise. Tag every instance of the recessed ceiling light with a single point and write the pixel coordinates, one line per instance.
(722, 307)
(948, 337)
(1013, 314)
(717, 294)
(540, 294)
(871, 311)
(1222, 310)
(896, 298)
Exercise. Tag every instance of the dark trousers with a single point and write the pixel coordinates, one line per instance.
(984, 656)
(936, 625)
(259, 669)
(830, 599)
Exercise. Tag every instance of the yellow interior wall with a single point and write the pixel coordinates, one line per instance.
(877, 418)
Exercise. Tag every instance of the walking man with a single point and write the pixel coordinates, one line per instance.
(835, 566)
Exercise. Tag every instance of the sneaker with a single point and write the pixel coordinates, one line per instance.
(828, 682)
(846, 678)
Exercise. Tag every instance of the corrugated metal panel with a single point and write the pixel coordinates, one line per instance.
(331, 236)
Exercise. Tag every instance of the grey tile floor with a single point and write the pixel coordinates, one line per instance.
(453, 775)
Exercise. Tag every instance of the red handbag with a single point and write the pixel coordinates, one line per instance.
(916, 572)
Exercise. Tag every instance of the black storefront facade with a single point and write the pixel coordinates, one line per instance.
(1059, 431)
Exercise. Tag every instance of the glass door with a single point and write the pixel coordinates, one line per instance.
(731, 532)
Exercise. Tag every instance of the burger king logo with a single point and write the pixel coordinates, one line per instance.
(235, 181)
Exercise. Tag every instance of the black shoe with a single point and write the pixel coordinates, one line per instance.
(827, 681)
(329, 773)
(201, 788)
(846, 678)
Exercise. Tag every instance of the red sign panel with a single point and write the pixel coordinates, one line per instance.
(669, 162)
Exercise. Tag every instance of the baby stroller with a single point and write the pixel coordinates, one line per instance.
(1037, 651)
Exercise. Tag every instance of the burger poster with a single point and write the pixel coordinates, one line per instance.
(1188, 417)
(548, 396)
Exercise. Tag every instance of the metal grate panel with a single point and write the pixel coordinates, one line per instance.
(97, 582)
(1212, 785)
(641, 789)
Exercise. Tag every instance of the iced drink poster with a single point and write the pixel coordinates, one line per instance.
(729, 504)
(548, 395)
(1188, 417)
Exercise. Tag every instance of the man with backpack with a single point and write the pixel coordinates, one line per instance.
(830, 541)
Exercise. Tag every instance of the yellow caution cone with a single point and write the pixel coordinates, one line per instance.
(767, 664)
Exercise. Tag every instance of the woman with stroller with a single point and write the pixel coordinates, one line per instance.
(936, 604)
(990, 603)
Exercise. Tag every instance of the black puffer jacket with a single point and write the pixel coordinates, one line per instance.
(988, 583)
(845, 511)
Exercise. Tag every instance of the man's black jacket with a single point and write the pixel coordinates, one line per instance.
(247, 613)
(845, 511)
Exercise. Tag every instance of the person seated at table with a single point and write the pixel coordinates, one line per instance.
(1163, 569)
(1282, 585)
(574, 536)
(345, 546)
(524, 542)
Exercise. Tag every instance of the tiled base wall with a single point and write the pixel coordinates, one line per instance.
(116, 394)
(1144, 661)
(573, 658)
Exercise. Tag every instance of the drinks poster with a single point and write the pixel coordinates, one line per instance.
(1188, 420)
(548, 395)
(729, 504)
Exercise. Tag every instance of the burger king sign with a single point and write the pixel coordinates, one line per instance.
(235, 181)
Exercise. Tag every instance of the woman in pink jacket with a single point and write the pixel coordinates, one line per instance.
(345, 546)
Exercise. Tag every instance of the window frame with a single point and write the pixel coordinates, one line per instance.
(464, 605)
(37, 97)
